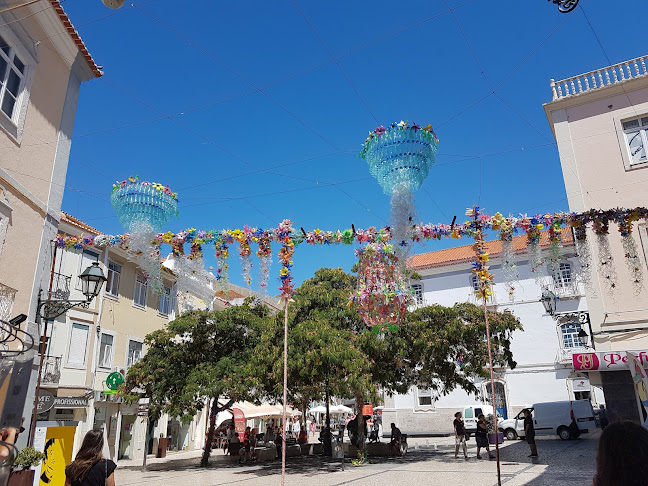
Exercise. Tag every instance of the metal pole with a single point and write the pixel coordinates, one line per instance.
(285, 393)
(32, 429)
(327, 447)
(42, 348)
(492, 381)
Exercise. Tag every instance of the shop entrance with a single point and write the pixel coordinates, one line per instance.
(126, 437)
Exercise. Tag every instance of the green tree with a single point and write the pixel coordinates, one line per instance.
(199, 358)
(442, 347)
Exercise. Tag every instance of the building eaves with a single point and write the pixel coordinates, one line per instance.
(72, 32)
(77, 223)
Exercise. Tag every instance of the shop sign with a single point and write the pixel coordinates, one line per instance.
(239, 422)
(607, 361)
(580, 384)
(45, 401)
(70, 402)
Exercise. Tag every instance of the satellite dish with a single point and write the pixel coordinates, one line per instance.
(113, 3)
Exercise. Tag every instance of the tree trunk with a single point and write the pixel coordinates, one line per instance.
(210, 434)
(212, 427)
(360, 418)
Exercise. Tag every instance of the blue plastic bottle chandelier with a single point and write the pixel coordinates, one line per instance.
(399, 158)
(143, 208)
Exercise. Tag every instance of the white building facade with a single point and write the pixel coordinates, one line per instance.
(542, 350)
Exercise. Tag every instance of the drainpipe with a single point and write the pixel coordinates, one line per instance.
(97, 344)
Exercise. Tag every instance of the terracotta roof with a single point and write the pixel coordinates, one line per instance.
(67, 218)
(65, 20)
(229, 295)
(466, 253)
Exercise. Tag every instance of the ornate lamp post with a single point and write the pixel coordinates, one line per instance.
(92, 278)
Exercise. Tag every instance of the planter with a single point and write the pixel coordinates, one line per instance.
(163, 443)
(24, 477)
(500, 438)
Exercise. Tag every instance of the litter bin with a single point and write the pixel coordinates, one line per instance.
(163, 443)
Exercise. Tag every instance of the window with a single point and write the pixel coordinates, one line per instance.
(134, 353)
(424, 396)
(569, 334)
(418, 293)
(475, 283)
(87, 258)
(114, 274)
(635, 138)
(164, 305)
(78, 345)
(106, 350)
(562, 276)
(141, 291)
(12, 80)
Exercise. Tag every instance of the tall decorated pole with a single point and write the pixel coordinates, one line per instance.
(143, 208)
(484, 292)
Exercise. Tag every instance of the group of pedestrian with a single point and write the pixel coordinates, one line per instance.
(481, 436)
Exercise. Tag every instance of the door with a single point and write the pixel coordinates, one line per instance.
(126, 437)
(500, 398)
(519, 424)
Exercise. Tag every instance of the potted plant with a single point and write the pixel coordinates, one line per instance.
(22, 473)
(492, 436)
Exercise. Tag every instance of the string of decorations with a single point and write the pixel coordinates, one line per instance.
(289, 239)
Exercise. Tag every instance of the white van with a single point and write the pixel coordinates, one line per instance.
(470, 414)
(552, 418)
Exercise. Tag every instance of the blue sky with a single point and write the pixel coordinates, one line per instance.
(241, 109)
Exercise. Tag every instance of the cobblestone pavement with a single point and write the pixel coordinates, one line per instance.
(567, 463)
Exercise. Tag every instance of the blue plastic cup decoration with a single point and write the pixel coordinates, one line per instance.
(399, 158)
(143, 206)
(400, 155)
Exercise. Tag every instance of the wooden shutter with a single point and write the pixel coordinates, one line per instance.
(78, 344)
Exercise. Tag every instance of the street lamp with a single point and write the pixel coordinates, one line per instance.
(92, 278)
(548, 300)
(113, 3)
(583, 337)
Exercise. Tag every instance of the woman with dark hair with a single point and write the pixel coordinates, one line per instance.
(89, 467)
(622, 458)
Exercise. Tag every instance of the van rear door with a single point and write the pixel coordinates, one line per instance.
(583, 414)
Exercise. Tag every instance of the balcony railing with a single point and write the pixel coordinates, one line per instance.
(564, 355)
(60, 286)
(564, 290)
(593, 80)
(51, 370)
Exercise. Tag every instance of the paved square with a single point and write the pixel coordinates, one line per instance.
(568, 463)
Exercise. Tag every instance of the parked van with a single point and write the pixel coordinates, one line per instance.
(470, 414)
(552, 418)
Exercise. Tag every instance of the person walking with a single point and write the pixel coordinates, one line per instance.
(460, 435)
(529, 432)
(481, 436)
(622, 458)
(89, 467)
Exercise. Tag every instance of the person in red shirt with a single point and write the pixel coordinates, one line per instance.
(303, 436)
(246, 446)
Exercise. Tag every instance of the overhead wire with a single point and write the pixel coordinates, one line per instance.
(321, 41)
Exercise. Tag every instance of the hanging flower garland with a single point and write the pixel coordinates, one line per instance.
(532, 227)
(506, 227)
(264, 253)
(244, 238)
(284, 232)
(285, 236)
(605, 259)
(555, 253)
(381, 296)
(625, 220)
(480, 265)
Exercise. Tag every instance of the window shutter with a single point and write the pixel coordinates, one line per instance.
(78, 344)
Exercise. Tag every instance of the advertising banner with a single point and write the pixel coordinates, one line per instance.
(239, 422)
(57, 444)
(607, 361)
